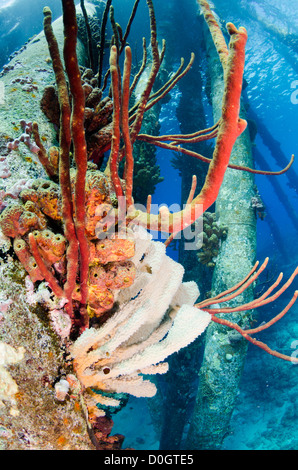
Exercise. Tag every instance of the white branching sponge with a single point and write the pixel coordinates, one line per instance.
(155, 318)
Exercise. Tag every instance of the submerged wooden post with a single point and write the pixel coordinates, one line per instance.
(225, 352)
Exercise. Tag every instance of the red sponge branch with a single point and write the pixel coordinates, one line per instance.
(230, 127)
(49, 277)
(64, 160)
(78, 137)
(259, 302)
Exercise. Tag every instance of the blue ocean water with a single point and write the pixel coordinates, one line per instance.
(266, 412)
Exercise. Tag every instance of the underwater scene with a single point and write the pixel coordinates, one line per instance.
(148, 226)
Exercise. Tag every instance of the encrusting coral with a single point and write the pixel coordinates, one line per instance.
(126, 305)
(98, 114)
(210, 239)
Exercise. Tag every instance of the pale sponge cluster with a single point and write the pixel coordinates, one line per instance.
(154, 319)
